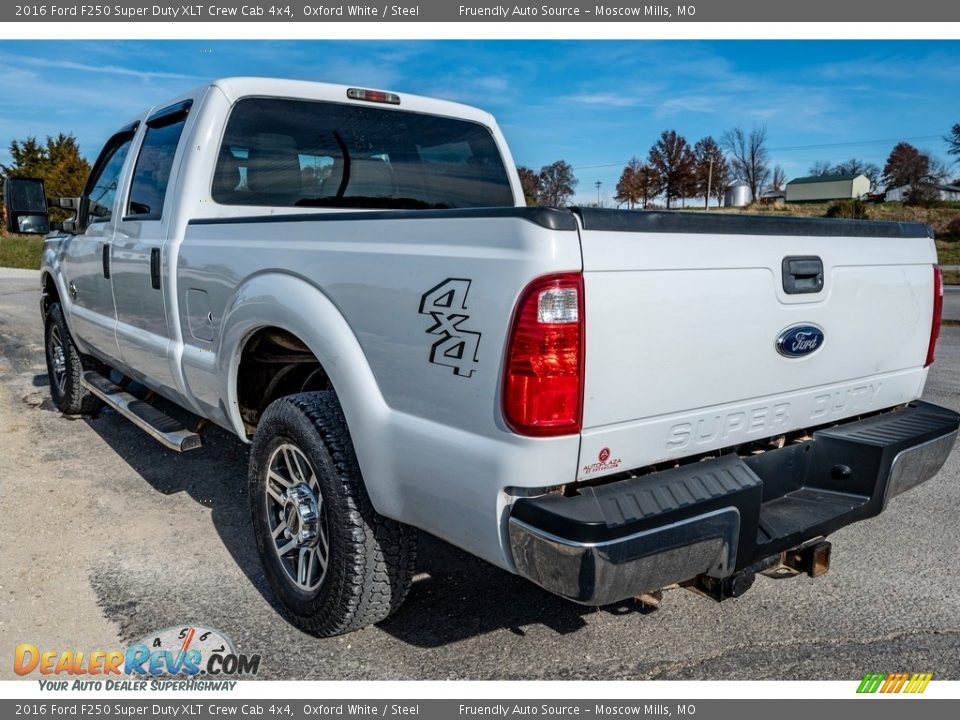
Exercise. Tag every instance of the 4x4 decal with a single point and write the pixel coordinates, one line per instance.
(456, 347)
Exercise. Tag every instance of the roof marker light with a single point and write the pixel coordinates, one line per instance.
(377, 96)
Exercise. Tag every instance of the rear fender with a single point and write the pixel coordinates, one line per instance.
(292, 304)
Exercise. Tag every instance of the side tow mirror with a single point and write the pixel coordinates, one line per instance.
(25, 206)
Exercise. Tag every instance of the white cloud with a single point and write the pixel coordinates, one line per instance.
(103, 69)
(619, 100)
(689, 103)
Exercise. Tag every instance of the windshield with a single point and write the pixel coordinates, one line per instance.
(300, 153)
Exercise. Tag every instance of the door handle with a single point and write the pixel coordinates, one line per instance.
(802, 274)
(106, 260)
(155, 268)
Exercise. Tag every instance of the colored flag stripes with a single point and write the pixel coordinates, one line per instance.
(894, 682)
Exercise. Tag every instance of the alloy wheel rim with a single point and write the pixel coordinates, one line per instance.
(296, 517)
(58, 360)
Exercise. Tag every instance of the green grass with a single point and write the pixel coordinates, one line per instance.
(948, 252)
(939, 218)
(21, 251)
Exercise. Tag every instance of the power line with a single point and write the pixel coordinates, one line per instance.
(853, 144)
(786, 148)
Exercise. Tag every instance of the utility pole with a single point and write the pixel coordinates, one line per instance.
(598, 183)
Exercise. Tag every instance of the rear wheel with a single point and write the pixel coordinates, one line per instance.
(65, 367)
(334, 562)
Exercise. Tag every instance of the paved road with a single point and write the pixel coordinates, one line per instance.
(951, 303)
(106, 536)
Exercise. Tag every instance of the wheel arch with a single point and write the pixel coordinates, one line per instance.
(50, 291)
(283, 307)
(274, 363)
(52, 282)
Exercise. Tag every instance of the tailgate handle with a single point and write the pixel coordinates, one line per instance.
(802, 275)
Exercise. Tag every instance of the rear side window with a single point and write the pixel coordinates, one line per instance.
(101, 188)
(300, 153)
(154, 165)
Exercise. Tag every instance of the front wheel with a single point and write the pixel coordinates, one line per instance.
(65, 367)
(334, 562)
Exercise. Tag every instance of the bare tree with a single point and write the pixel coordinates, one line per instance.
(556, 184)
(748, 153)
(530, 182)
(821, 168)
(853, 166)
(953, 140)
(778, 179)
(673, 160)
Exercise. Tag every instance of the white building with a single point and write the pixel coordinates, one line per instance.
(947, 193)
(819, 188)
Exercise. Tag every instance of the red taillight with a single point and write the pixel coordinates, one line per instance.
(937, 315)
(543, 379)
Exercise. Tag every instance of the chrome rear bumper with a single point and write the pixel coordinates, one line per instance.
(605, 572)
(714, 518)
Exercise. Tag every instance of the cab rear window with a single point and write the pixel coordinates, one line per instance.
(300, 153)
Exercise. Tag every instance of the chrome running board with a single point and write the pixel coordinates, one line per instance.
(158, 425)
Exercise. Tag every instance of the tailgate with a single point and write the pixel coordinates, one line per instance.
(684, 312)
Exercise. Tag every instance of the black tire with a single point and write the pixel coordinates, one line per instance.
(65, 366)
(370, 558)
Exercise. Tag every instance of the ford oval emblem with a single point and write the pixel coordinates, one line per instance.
(799, 340)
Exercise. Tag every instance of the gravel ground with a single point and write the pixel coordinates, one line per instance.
(951, 303)
(106, 536)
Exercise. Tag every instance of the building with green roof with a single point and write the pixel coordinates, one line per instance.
(819, 188)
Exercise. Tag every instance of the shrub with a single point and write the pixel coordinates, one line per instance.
(952, 231)
(849, 209)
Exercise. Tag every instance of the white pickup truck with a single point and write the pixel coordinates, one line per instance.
(605, 402)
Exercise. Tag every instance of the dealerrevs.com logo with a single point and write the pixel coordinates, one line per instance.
(187, 651)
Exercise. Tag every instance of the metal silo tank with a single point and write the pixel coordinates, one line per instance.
(738, 195)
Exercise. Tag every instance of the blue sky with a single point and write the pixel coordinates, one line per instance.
(592, 103)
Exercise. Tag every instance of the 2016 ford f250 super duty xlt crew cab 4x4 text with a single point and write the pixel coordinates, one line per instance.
(604, 402)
